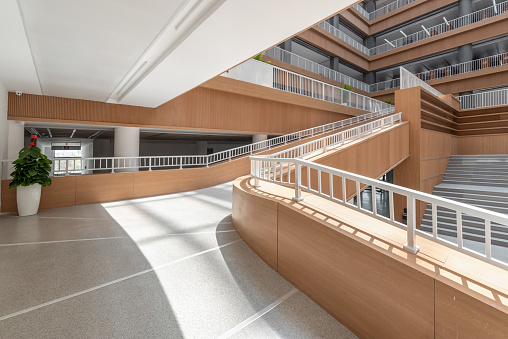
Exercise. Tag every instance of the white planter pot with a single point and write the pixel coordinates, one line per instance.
(28, 198)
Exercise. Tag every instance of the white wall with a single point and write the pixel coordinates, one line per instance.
(3, 128)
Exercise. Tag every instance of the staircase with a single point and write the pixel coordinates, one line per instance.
(478, 180)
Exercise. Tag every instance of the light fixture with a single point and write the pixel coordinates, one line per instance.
(95, 135)
(184, 18)
(426, 30)
(390, 43)
(72, 134)
(446, 21)
(404, 34)
(49, 132)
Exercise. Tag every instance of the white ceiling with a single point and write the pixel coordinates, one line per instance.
(140, 53)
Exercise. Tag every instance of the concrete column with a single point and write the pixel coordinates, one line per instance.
(16, 138)
(286, 45)
(465, 53)
(4, 130)
(259, 137)
(334, 21)
(334, 63)
(465, 7)
(202, 147)
(127, 145)
(370, 42)
(370, 78)
(370, 6)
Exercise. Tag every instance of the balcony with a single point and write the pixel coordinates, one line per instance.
(383, 10)
(421, 35)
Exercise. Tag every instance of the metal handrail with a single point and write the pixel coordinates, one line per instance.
(484, 99)
(362, 11)
(465, 67)
(70, 166)
(342, 137)
(344, 37)
(311, 66)
(267, 75)
(383, 10)
(409, 80)
(426, 33)
(298, 173)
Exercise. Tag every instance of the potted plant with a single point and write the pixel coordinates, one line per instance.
(346, 94)
(31, 171)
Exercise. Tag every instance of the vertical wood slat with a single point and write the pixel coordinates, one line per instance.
(222, 109)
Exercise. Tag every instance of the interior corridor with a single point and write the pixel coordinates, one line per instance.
(168, 266)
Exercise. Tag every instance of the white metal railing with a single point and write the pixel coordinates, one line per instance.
(344, 37)
(381, 86)
(465, 67)
(341, 187)
(322, 145)
(441, 28)
(76, 166)
(409, 80)
(279, 78)
(426, 33)
(484, 99)
(362, 11)
(311, 66)
(383, 10)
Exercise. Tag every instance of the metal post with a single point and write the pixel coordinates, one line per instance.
(298, 183)
(256, 173)
(410, 246)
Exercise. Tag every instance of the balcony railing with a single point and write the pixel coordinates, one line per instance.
(409, 80)
(383, 10)
(311, 66)
(426, 33)
(439, 73)
(341, 187)
(465, 67)
(362, 11)
(321, 145)
(271, 76)
(484, 99)
(442, 28)
(78, 166)
(344, 37)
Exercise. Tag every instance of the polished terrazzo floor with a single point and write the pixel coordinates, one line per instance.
(164, 267)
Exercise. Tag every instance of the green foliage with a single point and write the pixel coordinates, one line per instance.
(31, 167)
(389, 101)
(348, 88)
(259, 56)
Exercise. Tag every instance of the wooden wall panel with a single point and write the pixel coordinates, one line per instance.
(460, 315)
(61, 193)
(8, 198)
(478, 31)
(158, 182)
(98, 188)
(406, 13)
(344, 277)
(255, 221)
(483, 144)
(407, 174)
(330, 43)
(370, 156)
(353, 266)
(221, 104)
